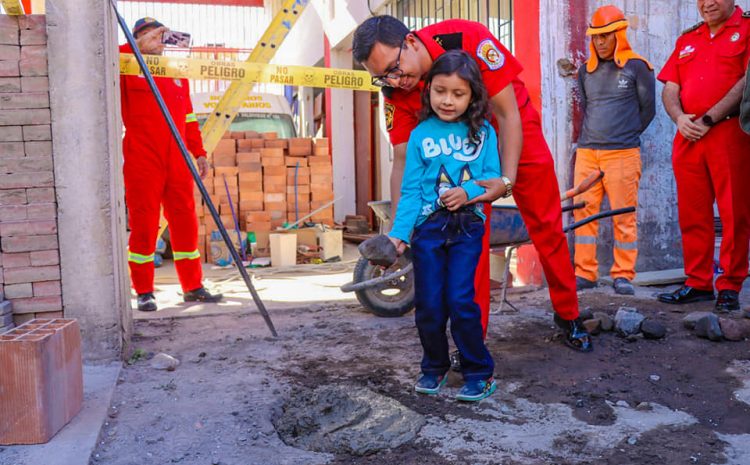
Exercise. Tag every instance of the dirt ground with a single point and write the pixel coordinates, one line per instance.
(680, 400)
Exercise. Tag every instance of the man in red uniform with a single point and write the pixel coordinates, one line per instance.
(156, 174)
(398, 59)
(704, 79)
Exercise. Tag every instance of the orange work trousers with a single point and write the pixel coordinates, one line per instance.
(622, 175)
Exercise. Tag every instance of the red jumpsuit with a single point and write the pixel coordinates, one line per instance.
(717, 166)
(536, 190)
(155, 175)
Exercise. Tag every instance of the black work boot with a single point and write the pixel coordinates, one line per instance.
(583, 283)
(147, 302)
(201, 295)
(576, 336)
(728, 301)
(623, 286)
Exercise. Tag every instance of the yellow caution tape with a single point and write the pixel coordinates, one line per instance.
(12, 7)
(248, 73)
(220, 120)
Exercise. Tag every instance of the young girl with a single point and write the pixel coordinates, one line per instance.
(453, 147)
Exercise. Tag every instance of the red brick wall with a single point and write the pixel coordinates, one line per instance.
(29, 260)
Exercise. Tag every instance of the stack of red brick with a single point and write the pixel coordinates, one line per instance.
(30, 265)
(267, 181)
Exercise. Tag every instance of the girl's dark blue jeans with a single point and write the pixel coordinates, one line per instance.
(445, 251)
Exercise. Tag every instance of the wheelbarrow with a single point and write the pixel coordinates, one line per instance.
(390, 292)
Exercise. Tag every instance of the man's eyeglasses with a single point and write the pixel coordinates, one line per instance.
(393, 73)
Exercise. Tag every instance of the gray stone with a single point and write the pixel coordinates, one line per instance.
(586, 314)
(644, 407)
(692, 318)
(654, 378)
(379, 250)
(607, 322)
(343, 419)
(731, 329)
(653, 329)
(593, 326)
(709, 328)
(632, 440)
(628, 321)
(162, 361)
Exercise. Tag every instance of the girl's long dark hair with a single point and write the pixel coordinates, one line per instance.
(460, 63)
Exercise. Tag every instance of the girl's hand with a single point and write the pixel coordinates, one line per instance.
(399, 244)
(454, 198)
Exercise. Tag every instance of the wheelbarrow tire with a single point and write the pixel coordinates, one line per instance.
(387, 300)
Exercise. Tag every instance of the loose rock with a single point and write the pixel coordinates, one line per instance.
(731, 329)
(628, 321)
(593, 326)
(379, 250)
(692, 318)
(653, 329)
(162, 361)
(607, 323)
(709, 328)
(586, 314)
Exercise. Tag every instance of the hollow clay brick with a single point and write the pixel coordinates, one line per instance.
(42, 380)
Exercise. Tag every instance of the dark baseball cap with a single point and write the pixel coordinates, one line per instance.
(145, 22)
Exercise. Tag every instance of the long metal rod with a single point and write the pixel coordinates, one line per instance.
(193, 171)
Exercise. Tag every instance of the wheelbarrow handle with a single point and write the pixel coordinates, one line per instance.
(584, 185)
(574, 206)
(353, 287)
(598, 216)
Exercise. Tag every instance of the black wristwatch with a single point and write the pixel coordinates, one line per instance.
(708, 121)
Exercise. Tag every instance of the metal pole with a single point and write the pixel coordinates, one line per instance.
(193, 171)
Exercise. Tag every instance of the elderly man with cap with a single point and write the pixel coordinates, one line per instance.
(618, 95)
(704, 78)
(155, 174)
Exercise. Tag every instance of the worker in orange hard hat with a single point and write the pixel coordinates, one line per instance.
(618, 98)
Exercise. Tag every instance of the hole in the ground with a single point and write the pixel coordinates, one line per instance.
(345, 419)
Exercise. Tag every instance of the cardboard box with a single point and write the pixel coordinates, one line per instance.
(283, 249)
(272, 161)
(269, 135)
(330, 241)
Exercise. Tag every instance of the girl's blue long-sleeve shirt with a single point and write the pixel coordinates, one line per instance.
(439, 157)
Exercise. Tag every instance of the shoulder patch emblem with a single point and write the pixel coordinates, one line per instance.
(686, 51)
(389, 111)
(490, 55)
(451, 41)
(735, 37)
(692, 28)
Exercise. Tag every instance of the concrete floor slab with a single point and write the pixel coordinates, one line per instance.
(74, 444)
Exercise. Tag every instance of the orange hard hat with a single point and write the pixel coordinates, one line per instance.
(607, 19)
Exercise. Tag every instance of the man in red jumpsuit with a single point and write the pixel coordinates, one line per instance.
(398, 59)
(155, 174)
(704, 79)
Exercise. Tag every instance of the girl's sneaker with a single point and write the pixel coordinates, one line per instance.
(477, 390)
(430, 384)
